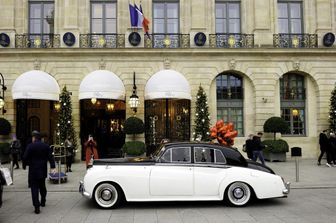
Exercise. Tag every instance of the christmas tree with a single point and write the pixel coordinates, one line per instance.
(202, 120)
(65, 121)
(332, 111)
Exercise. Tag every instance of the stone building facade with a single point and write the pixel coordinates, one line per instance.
(277, 63)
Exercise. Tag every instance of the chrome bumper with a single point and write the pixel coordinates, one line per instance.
(287, 188)
(82, 191)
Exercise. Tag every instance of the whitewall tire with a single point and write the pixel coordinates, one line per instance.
(238, 194)
(107, 195)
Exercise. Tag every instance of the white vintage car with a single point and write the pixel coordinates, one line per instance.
(182, 172)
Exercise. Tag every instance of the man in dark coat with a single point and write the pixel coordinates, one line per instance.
(36, 156)
(325, 147)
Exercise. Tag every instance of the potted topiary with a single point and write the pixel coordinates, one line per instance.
(134, 126)
(275, 149)
(5, 129)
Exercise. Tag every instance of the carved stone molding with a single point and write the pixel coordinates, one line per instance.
(296, 65)
(102, 64)
(166, 63)
(232, 64)
(37, 64)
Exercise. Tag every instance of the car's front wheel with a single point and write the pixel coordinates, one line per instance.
(107, 195)
(238, 194)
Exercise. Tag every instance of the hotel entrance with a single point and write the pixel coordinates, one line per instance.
(104, 120)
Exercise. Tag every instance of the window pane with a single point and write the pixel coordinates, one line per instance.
(295, 10)
(220, 10)
(97, 26)
(158, 10)
(181, 155)
(110, 10)
(35, 26)
(48, 10)
(97, 10)
(282, 10)
(172, 26)
(203, 155)
(159, 26)
(234, 11)
(220, 157)
(220, 25)
(46, 27)
(296, 26)
(110, 26)
(234, 26)
(283, 25)
(172, 10)
(166, 157)
(35, 11)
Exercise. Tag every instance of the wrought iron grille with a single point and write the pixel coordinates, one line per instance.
(231, 40)
(37, 41)
(167, 40)
(288, 40)
(102, 40)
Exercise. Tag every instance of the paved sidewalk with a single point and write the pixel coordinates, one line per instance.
(310, 176)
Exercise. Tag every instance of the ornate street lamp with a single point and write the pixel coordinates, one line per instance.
(2, 96)
(134, 99)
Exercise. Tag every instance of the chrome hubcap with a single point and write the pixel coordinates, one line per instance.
(238, 193)
(106, 195)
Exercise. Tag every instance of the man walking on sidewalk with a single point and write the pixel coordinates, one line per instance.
(36, 157)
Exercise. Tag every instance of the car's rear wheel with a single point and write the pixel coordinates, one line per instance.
(107, 195)
(238, 194)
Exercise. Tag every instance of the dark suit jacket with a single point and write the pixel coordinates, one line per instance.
(36, 157)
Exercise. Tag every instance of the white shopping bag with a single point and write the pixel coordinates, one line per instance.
(6, 175)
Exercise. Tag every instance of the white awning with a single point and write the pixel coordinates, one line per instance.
(167, 84)
(102, 84)
(36, 84)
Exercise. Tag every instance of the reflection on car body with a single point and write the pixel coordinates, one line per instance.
(185, 171)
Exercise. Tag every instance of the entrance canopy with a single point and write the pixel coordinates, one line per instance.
(102, 84)
(36, 84)
(167, 84)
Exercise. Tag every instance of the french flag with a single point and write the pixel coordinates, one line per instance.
(138, 19)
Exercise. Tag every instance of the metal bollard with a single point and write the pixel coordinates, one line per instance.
(11, 170)
(296, 152)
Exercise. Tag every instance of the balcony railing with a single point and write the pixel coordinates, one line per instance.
(102, 40)
(167, 40)
(231, 40)
(288, 40)
(37, 41)
(294, 93)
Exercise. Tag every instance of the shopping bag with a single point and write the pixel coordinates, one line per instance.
(6, 175)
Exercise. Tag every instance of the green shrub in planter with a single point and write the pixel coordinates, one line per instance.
(134, 148)
(4, 152)
(276, 124)
(134, 125)
(5, 127)
(275, 146)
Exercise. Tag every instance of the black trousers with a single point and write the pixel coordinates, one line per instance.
(69, 162)
(38, 186)
(329, 155)
(15, 160)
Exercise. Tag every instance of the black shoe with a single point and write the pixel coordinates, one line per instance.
(37, 210)
(17, 167)
(70, 170)
(43, 203)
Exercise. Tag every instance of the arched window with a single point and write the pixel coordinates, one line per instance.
(292, 101)
(230, 97)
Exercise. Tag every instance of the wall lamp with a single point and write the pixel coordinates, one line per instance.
(134, 99)
(2, 96)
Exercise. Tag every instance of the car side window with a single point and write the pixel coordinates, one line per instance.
(220, 158)
(204, 155)
(178, 154)
(181, 154)
(166, 157)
